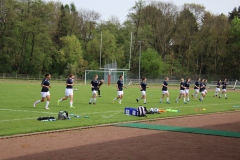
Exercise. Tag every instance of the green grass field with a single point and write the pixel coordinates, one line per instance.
(18, 115)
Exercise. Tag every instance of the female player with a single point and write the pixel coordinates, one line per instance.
(119, 90)
(94, 84)
(217, 88)
(202, 90)
(165, 90)
(187, 85)
(69, 90)
(224, 89)
(143, 86)
(182, 92)
(196, 88)
(45, 91)
(99, 85)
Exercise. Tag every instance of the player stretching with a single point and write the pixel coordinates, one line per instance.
(98, 87)
(45, 91)
(94, 84)
(182, 92)
(224, 89)
(165, 90)
(143, 86)
(69, 90)
(196, 88)
(202, 90)
(119, 90)
(217, 88)
(187, 85)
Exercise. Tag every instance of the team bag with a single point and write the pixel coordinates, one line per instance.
(141, 111)
(63, 115)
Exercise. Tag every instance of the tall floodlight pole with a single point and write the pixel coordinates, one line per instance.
(139, 67)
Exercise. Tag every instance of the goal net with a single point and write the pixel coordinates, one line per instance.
(110, 76)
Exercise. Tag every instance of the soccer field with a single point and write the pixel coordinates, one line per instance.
(19, 116)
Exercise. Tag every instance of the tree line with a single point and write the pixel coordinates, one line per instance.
(38, 37)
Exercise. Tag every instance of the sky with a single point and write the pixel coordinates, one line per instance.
(120, 8)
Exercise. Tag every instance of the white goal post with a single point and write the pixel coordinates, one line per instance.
(111, 75)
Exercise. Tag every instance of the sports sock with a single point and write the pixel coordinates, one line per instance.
(94, 100)
(99, 92)
(47, 103)
(60, 100)
(120, 101)
(145, 101)
(71, 103)
(38, 101)
(90, 100)
(167, 99)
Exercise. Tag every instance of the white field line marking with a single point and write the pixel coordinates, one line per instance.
(17, 119)
(11, 110)
(201, 105)
(92, 113)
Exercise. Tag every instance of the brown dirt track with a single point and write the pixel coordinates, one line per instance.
(113, 142)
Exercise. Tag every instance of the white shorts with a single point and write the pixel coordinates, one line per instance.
(143, 93)
(218, 90)
(45, 94)
(182, 91)
(224, 90)
(186, 91)
(203, 92)
(68, 92)
(94, 92)
(196, 90)
(119, 93)
(164, 92)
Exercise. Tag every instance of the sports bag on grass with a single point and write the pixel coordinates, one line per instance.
(63, 115)
(46, 118)
(141, 111)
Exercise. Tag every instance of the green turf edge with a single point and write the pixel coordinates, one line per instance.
(182, 129)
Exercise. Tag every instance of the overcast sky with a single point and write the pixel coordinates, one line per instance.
(120, 8)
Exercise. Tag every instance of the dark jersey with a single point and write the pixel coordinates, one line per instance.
(94, 85)
(69, 81)
(187, 85)
(182, 86)
(143, 85)
(120, 85)
(99, 84)
(45, 82)
(197, 84)
(218, 84)
(202, 87)
(224, 85)
(164, 88)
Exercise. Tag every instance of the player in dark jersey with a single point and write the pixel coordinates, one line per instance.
(187, 85)
(202, 89)
(94, 88)
(99, 86)
(224, 89)
(165, 90)
(182, 92)
(119, 90)
(143, 86)
(45, 91)
(196, 88)
(69, 90)
(218, 90)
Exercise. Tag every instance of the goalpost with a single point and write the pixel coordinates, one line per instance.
(111, 75)
(235, 84)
